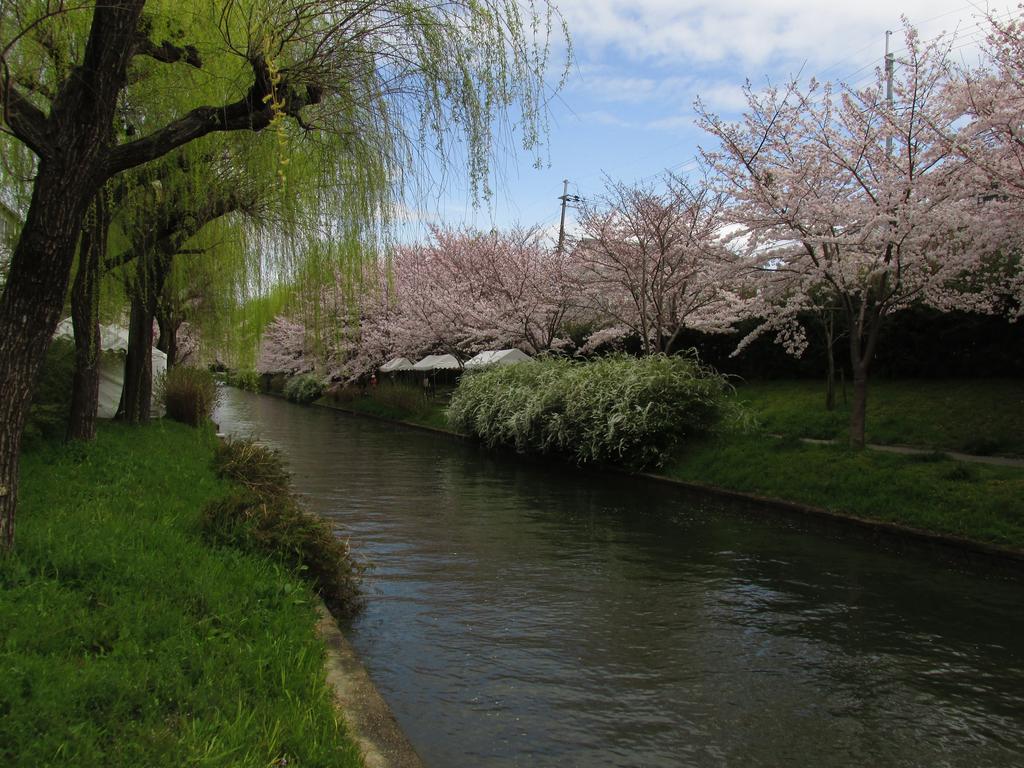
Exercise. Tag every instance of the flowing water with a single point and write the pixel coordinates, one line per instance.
(524, 613)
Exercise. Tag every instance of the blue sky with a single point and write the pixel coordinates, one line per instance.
(627, 109)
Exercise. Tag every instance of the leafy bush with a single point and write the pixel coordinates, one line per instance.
(304, 388)
(256, 467)
(246, 379)
(265, 517)
(188, 394)
(616, 409)
(279, 528)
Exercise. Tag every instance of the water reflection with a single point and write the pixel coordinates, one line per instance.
(521, 613)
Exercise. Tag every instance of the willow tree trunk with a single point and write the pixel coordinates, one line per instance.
(167, 342)
(73, 143)
(29, 310)
(137, 393)
(85, 388)
(151, 275)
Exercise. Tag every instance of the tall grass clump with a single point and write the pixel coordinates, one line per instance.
(304, 388)
(188, 394)
(265, 517)
(618, 409)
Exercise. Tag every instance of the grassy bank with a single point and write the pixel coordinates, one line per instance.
(928, 492)
(127, 641)
(984, 416)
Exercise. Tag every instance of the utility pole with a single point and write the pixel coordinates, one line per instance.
(565, 198)
(889, 65)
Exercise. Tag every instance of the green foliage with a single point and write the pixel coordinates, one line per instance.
(616, 409)
(51, 400)
(188, 394)
(279, 528)
(246, 379)
(304, 388)
(258, 468)
(266, 518)
(129, 642)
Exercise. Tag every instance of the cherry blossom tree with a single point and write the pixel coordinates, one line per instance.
(652, 263)
(462, 292)
(843, 190)
(283, 348)
(990, 97)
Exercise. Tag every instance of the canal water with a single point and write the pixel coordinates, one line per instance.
(523, 613)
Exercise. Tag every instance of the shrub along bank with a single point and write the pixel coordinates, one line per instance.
(128, 640)
(618, 409)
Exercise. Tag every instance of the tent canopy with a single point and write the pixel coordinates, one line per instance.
(438, 363)
(114, 343)
(396, 364)
(497, 357)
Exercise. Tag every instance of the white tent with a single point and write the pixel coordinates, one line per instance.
(114, 346)
(438, 363)
(497, 357)
(396, 364)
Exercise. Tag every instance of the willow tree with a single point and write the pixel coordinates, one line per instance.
(384, 79)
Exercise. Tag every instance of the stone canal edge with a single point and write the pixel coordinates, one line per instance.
(367, 716)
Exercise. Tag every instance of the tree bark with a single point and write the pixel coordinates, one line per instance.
(29, 310)
(85, 317)
(151, 276)
(864, 332)
(137, 392)
(73, 143)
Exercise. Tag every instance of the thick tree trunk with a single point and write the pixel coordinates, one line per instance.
(73, 143)
(137, 393)
(85, 316)
(29, 310)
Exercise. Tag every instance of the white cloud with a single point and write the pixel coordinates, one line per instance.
(740, 34)
(671, 123)
(604, 117)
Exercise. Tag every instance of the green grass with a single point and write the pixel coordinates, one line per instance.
(983, 416)
(929, 492)
(126, 641)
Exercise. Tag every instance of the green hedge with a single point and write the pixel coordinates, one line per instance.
(304, 388)
(617, 409)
